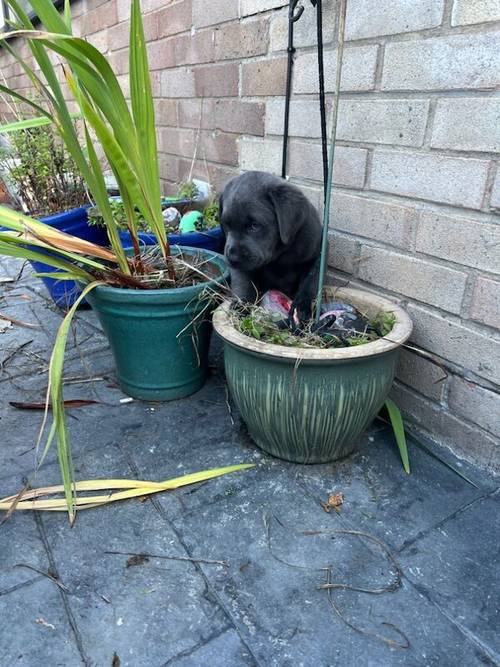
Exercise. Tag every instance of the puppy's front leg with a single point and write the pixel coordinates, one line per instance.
(302, 303)
(242, 286)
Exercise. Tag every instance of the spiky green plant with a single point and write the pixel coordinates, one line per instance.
(127, 136)
(124, 133)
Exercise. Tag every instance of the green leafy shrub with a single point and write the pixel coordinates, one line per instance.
(43, 175)
(210, 216)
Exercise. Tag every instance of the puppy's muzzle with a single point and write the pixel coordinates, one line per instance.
(232, 254)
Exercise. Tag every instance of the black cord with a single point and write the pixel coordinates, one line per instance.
(322, 99)
(293, 17)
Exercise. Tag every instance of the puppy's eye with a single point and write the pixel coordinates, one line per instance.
(253, 227)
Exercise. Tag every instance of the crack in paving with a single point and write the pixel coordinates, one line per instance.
(442, 522)
(189, 651)
(489, 656)
(23, 584)
(163, 515)
(64, 596)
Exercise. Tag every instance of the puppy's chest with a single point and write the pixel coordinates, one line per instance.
(284, 279)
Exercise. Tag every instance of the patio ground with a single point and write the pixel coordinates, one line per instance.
(131, 584)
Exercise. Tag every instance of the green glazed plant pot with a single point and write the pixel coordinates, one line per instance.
(311, 405)
(159, 338)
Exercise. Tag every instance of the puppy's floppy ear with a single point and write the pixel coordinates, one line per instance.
(221, 204)
(291, 208)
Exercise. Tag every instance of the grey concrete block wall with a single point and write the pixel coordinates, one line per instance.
(417, 175)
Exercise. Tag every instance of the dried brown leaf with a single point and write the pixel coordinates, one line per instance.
(138, 559)
(71, 403)
(335, 500)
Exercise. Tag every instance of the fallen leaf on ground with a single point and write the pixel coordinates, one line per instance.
(71, 403)
(42, 621)
(139, 559)
(335, 500)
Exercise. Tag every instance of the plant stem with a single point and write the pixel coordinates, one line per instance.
(328, 193)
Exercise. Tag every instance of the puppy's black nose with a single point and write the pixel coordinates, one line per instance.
(231, 253)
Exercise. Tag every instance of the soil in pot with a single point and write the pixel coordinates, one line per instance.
(160, 337)
(308, 404)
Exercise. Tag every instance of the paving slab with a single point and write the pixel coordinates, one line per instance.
(456, 567)
(422, 548)
(35, 629)
(272, 591)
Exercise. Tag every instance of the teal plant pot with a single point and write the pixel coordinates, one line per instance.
(159, 338)
(311, 405)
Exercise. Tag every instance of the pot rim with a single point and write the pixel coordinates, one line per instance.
(180, 292)
(400, 332)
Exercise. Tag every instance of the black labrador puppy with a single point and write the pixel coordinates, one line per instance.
(273, 240)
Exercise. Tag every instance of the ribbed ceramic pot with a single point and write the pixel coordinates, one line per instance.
(159, 338)
(312, 405)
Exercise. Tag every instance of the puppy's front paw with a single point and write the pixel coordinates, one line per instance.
(300, 312)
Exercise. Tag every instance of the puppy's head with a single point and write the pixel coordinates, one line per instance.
(260, 215)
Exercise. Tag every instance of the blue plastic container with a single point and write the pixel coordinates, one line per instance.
(212, 239)
(74, 222)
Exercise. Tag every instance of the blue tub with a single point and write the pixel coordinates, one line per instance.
(74, 222)
(212, 239)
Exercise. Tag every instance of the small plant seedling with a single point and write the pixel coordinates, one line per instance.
(383, 322)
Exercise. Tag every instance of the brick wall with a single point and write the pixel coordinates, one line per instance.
(414, 212)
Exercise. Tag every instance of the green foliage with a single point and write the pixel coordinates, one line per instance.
(383, 322)
(260, 324)
(188, 190)
(126, 137)
(119, 215)
(44, 176)
(399, 432)
(210, 216)
(362, 339)
(29, 123)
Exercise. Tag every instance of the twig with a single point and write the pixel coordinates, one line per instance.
(77, 380)
(49, 575)
(229, 406)
(182, 558)
(197, 142)
(330, 586)
(27, 325)
(8, 357)
(364, 631)
(394, 585)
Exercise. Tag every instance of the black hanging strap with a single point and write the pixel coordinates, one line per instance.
(294, 14)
